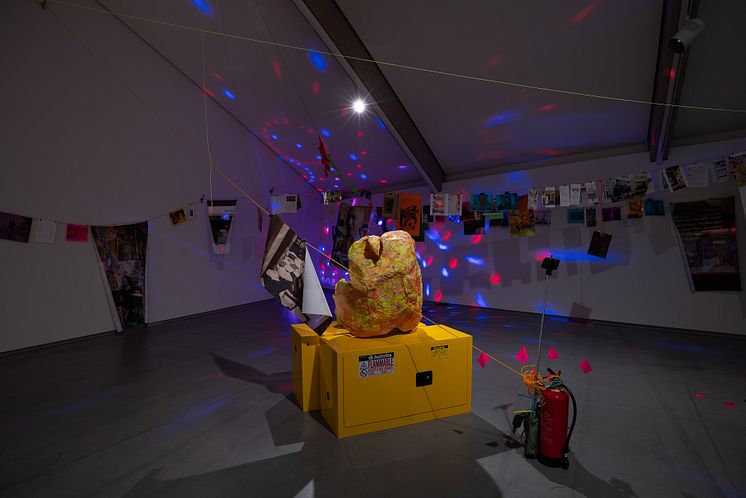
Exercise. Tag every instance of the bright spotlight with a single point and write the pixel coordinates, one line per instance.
(358, 106)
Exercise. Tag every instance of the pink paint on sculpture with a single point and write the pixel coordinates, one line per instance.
(384, 293)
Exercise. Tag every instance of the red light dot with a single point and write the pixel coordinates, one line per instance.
(547, 107)
(476, 239)
(453, 263)
(363, 153)
(699, 395)
(430, 260)
(218, 76)
(495, 278)
(438, 296)
(209, 92)
(672, 73)
(730, 404)
(349, 174)
(359, 165)
(360, 134)
(277, 69)
(383, 181)
(446, 236)
(316, 87)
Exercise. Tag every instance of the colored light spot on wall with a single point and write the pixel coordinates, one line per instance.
(383, 181)
(427, 290)
(380, 124)
(403, 166)
(353, 157)
(277, 69)
(446, 235)
(298, 146)
(698, 395)
(438, 296)
(318, 60)
(444, 272)
(363, 153)
(229, 94)
(480, 301)
(360, 134)
(476, 239)
(672, 73)
(359, 165)
(275, 137)
(209, 92)
(453, 263)
(203, 6)
(326, 134)
(495, 278)
(582, 14)
(363, 176)
(442, 247)
(474, 260)
(546, 108)
(430, 260)
(316, 87)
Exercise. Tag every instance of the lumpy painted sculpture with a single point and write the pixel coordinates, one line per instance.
(384, 293)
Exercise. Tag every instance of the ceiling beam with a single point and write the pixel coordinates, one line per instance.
(669, 78)
(336, 31)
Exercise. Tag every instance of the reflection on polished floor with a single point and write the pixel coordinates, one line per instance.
(203, 407)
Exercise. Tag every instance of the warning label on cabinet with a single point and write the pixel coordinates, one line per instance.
(438, 352)
(376, 364)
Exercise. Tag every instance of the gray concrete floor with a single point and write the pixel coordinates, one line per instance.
(202, 407)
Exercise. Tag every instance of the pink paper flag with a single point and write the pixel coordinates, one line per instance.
(483, 359)
(730, 404)
(585, 366)
(522, 355)
(77, 233)
(552, 354)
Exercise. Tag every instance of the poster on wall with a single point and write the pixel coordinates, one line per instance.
(590, 217)
(707, 236)
(738, 167)
(445, 204)
(122, 251)
(522, 223)
(410, 214)
(352, 225)
(14, 227)
(76, 233)
(575, 216)
(221, 214)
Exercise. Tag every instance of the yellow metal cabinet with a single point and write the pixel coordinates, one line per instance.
(380, 383)
(305, 344)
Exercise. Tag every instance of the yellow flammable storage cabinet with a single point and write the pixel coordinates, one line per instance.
(378, 383)
(305, 343)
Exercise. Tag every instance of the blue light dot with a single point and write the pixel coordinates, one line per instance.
(317, 60)
(326, 133)
(380, 123)
(427, 290)
(480, 301)
(229, 94)
(318, 158)
(298, 146)
(442, 247)
(274, 137)
(353, 157)
(444, 272)
(363, 176)
(203, 6)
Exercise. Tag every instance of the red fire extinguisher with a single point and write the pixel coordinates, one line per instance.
(554, 438)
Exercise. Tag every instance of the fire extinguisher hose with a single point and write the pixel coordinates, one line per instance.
(574, 417)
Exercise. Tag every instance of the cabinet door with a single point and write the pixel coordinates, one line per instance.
(375, 385)
(448, 361)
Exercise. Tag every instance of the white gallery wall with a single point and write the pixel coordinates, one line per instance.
(643, 280)
(79, 146)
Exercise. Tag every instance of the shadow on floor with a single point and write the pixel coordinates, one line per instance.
(439, 458)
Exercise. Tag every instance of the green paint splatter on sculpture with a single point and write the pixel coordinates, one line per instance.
(385, 288)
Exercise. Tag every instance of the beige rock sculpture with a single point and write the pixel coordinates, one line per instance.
(384, 293)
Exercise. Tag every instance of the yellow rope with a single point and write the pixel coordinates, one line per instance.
(399, 66)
